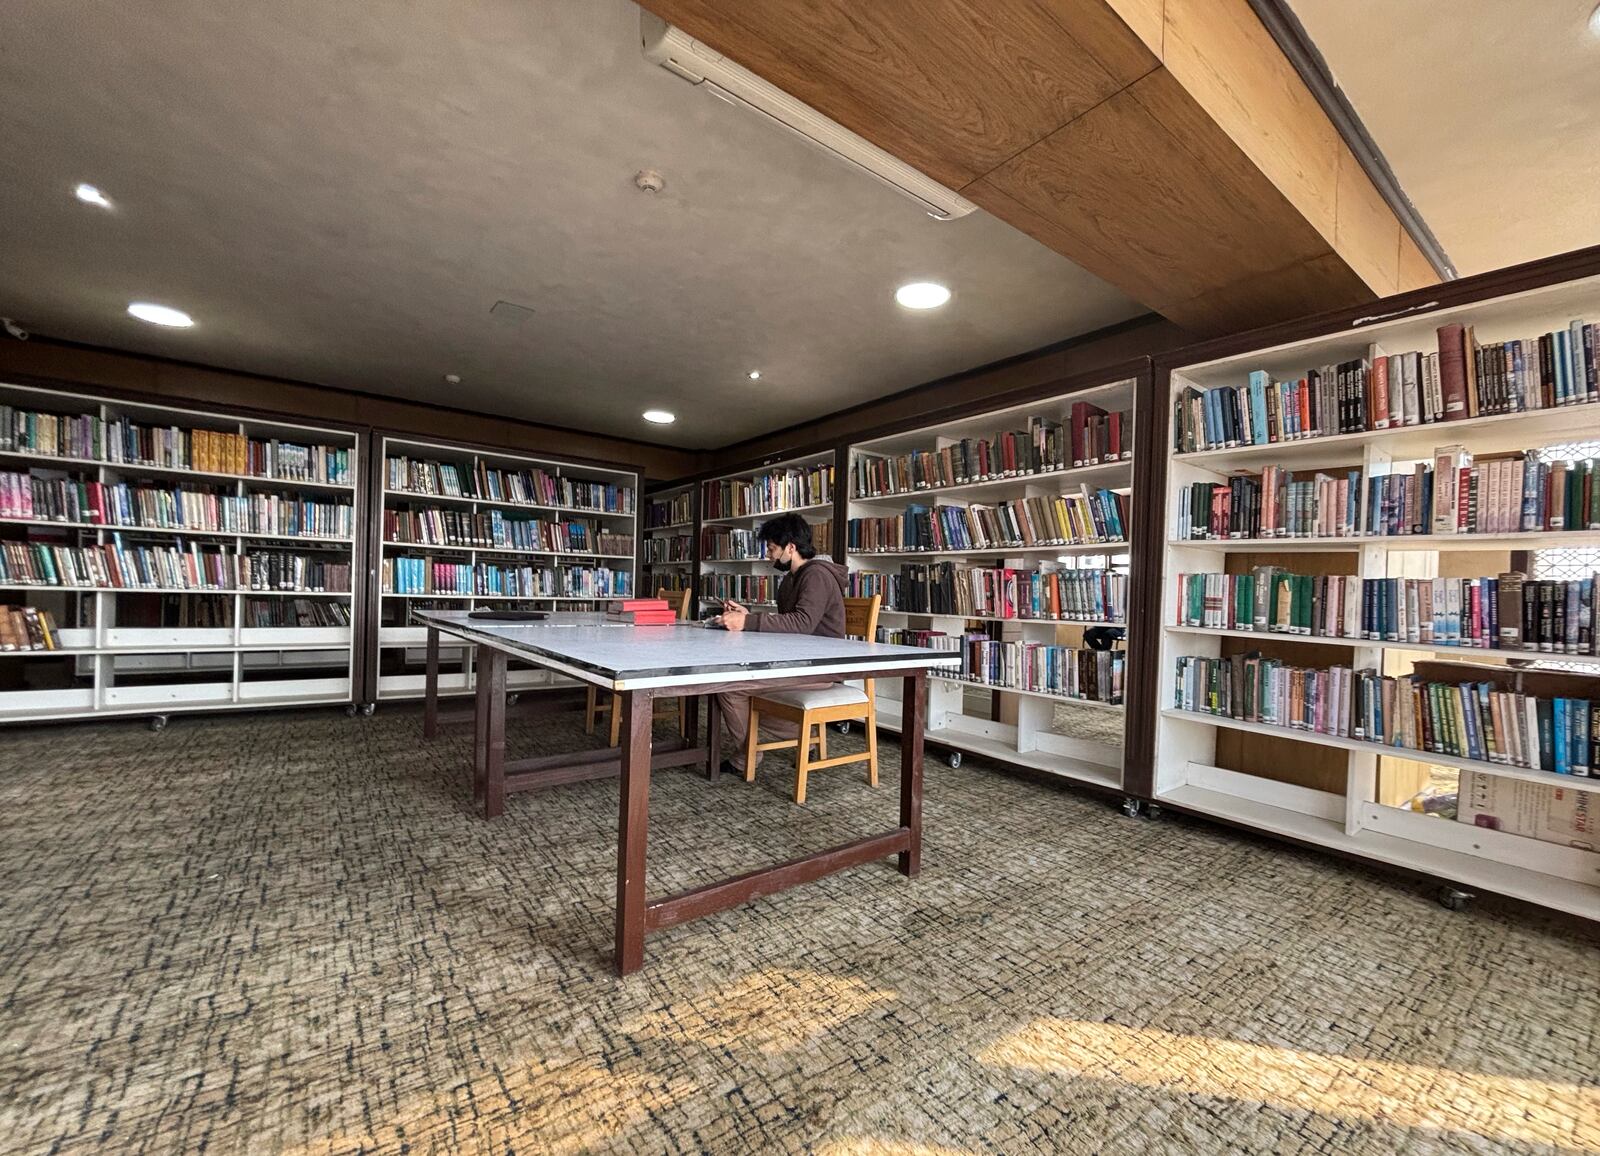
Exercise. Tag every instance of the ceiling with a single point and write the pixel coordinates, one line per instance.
(1486, 112)
(342, 199)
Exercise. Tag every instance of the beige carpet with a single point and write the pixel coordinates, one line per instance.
(288, 933)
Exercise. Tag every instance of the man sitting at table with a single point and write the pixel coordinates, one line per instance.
(810, 601)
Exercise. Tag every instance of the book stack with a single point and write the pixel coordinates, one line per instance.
(642, 612)
(770, 493)
(525, 487)
(1462, 379)
(1066, 519)
(673, 548)
(673, 511)
(725, 544)
(1098, 436)
(26, 628)
(295, 612)
(1068, 672)
(1476, 718)
(489, 580)
(998, 592)
(1277, 503)
(739, 587)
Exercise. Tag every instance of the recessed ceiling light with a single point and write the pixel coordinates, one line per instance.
(1594, 21)
(161, 315)
(922, 295)
(755, 375)
(659, 416)
(453, 378)
(90, 195)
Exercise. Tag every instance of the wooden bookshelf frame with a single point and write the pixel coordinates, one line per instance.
(411, 640)
(1188, 774)
(106, 651)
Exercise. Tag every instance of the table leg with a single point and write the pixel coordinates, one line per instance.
(692, 717)
(913, 717)
(713, 737)
(492, 683)
(632, 827)
(480, 731)
(430, 683)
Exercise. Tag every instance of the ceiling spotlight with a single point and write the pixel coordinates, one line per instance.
(161, 315)
(922, 295)
(659, 416)
(649, 181)
(755, 375)
(453, 378)
(90, 195)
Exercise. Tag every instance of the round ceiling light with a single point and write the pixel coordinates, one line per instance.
(161, 315)
(659, 416)
(922, 295)
(90, 195)
(755, 375)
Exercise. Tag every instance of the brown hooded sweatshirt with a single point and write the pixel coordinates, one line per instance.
(810, 601)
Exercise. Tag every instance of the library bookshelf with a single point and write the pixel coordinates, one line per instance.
(187, 559)
(667, 556)
(732, 564)
(465, 527)
(939, 524)
(1444, 812)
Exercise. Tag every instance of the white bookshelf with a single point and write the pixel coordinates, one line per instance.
(666, 528)
(139, 649)
(1024, 732)
(400, 644)
(713, 567)
(1188, 771)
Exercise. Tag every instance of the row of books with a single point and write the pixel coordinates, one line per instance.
(749, 588)
(488, 579)
(113, 566)
(152, 507)
(1510, 612)
(727, 544)
(525, 487)
(1092, 675)
(1066, 519)
(1471, 720)
(1454, 495)
(769, 493)
(998, 592)
(1090, 436)
(27, 628)
(674, 511)
(267, 613)
(492, 530)
(119, 441)
(1462, 379)
(669, 548)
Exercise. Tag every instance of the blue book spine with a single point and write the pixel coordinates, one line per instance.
(1563, 366)
(1581, 709)
(1259, 384)
(1561, 738)
(1580, 377)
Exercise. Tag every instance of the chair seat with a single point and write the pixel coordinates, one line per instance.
(840, 694)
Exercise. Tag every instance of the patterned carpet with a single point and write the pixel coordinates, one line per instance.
(285, 933)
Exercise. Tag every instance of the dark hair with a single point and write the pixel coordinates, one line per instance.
(788, 529)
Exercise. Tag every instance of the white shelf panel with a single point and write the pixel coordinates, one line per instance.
(1491, 434)
(1015, 486)
(293, 637)
(286, 690)
(756, 519)
(49, 461)
(31, 705)
(1547, 778)
(1120, 547)
(1424, 647)
(171, 696)
(1555, 539)
(177, 638)
(968, 742)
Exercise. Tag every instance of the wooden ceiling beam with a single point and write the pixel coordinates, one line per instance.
(1167, 146)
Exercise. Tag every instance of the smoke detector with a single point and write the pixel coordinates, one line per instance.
(649, 181)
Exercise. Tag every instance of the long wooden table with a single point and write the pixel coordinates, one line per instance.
(639, 663)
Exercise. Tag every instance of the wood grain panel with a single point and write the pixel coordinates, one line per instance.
(1146, 18)
(1367, 232)
(950, 87)
(1414, 271)
(1296, 290)
(1228, 62)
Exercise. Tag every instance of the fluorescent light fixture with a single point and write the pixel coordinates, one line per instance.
(659, 416)
(922, 295)
(755, 375)
(161, 315)
(1594, 21)
(90, 195)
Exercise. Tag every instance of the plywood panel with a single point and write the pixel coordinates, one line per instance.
(1146, 18)
(950, 87)
(1414, 271)
(1368, 235)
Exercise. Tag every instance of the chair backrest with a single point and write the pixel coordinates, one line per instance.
(861, 621)
(683, 597)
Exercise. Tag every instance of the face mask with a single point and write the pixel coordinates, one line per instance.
(781, 567)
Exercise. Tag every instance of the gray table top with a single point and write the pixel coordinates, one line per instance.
(625, 657)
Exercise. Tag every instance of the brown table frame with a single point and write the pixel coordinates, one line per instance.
(494, 777)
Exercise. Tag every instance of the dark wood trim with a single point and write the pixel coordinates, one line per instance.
(633, 820)
(913, 719)
(686, 905)
(552, 458)
(1297, 46)
(1144, 591)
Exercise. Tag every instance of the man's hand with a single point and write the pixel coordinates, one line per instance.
(733, 615)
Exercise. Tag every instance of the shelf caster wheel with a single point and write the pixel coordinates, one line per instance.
(367, 708)
(954, 759)
(842, 727)
(1152, 810)
(351, 710)
(513, 699)
(158, 722)
(1131, 807)
(1454, 899)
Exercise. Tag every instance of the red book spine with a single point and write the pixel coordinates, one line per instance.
(1453, 370)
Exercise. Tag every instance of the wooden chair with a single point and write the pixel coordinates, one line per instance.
(817, 708)
(664, 707)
